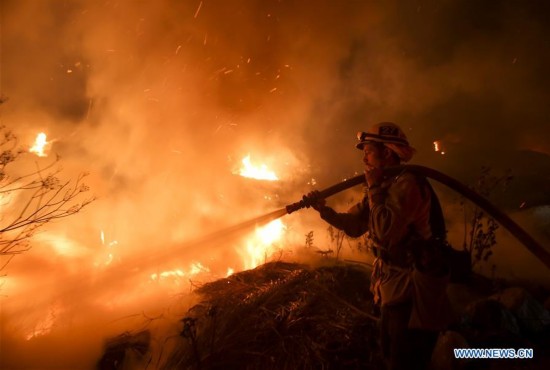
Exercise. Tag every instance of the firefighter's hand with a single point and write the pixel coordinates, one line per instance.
(314, 200)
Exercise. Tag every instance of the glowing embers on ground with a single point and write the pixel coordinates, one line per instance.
(39, 145)
(263, 244)
(259, 172)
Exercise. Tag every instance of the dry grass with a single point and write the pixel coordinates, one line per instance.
(281, 316)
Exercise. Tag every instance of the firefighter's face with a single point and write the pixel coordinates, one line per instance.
(374, 155)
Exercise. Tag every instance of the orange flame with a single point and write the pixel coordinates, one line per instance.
(45, 325)
(262, 245)
(437, 147)
(260, 172)
(194, 269)
(39, 145)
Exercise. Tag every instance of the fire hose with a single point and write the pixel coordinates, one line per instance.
(519, 233)
(531, 244)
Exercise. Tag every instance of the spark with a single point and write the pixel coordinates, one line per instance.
(198, 10)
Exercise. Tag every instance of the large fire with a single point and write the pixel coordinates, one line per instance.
(263, 244)
(259, 172)
(258, 247)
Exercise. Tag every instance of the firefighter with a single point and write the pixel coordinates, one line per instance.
(396, 213)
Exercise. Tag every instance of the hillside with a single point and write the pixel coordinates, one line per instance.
(292, 316)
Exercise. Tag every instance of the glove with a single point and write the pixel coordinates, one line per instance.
(314, 200)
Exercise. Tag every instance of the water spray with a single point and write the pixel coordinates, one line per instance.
(187, 248)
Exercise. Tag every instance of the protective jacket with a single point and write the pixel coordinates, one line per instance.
(396, 216)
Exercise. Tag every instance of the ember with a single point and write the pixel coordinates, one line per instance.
(438, 147)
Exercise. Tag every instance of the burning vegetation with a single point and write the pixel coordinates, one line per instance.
(32, 197)
(284, 315)
(151, 98)
(277, 316)
(259, 172)
(281, 316)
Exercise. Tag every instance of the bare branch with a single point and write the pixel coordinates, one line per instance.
(45, 198)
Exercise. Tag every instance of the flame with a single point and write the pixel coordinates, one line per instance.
(197, 267)
(45, 325)
(177, 274)
(39, 145)
(109, 246)
(437, 147)
(260, 172)
(262, 245)
(168, 273)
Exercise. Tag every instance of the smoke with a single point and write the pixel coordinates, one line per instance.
(159, 102)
